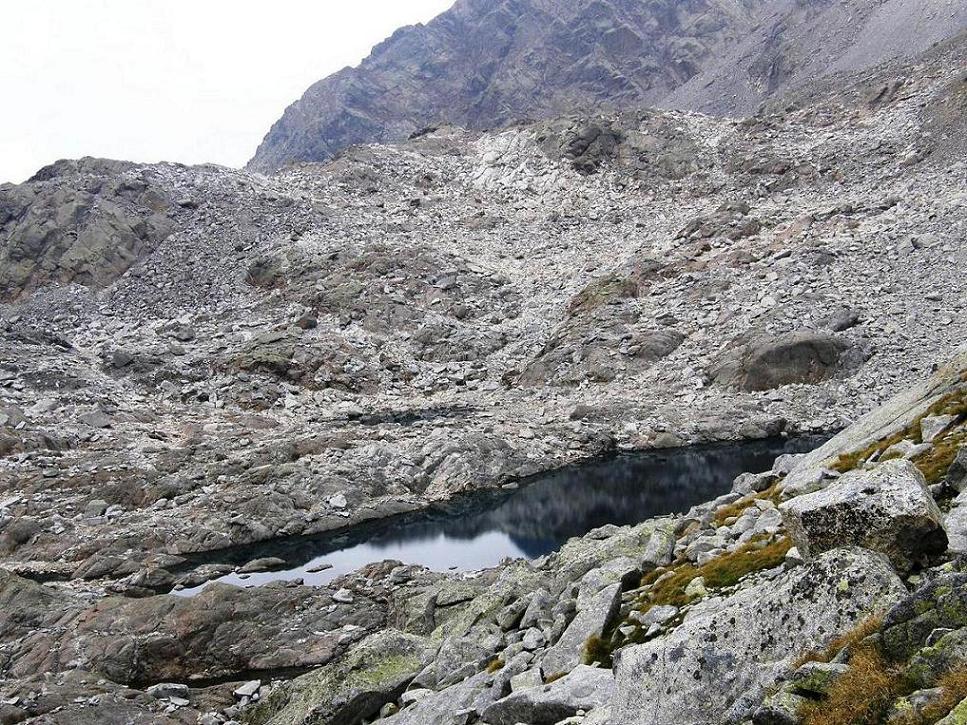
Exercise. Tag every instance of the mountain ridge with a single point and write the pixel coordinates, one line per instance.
(482, 66)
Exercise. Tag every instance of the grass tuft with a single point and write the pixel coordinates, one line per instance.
(848, 639)
(953, 690)
(935, 462)
(863, 695)
(495, 665)
(735, 509)
(596, 649)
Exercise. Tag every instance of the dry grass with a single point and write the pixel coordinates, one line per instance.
(848, 639)
(931, 464)
(495, 665)
(723, 571)
(935, 463)
(862, 696)
(554, 677)
(598, 650)
(735, 509)
(953, 689)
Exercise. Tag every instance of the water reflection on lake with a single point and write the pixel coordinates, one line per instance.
(533, 520)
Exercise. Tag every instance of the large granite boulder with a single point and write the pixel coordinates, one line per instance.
(744, 641)
(765, 362)
(886, 509)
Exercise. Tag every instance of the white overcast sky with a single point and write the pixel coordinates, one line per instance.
(171, 80)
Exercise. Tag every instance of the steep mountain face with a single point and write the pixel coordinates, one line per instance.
(483, 64)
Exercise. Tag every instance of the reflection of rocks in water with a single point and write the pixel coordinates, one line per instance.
(626, 490)
(547, 511)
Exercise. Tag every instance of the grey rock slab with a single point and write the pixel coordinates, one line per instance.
(957, 473)
(729, 645)
(349, 689)
(452, 706)
(584, 688)
(529, 678)
(248, 689)
(894, 415)
(168, 690)
(600, 611)
(886, 509)
(955, 524)
(934, 425)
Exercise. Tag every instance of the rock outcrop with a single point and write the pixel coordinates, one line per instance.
(84, 221)
(727, 646)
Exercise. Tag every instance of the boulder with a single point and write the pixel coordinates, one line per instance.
(955, 524)
(957, 473)
(267, 563)
(729, 645)
(933, 425)
(585, 688)
(934, 660)
(765, 362)
(452, 706)
(593, 619)
(888, 509)
(940, 604)
(347, 690)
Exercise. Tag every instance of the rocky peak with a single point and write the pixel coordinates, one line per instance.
(484, 64)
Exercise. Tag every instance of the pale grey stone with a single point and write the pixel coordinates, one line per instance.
(585, 688)
(729, 645)
(887, 509)
(565, 655)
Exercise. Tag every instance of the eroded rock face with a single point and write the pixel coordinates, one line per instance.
(729, 645)
(537, 58)
(81, 221)
(887, 509)
(223, 631)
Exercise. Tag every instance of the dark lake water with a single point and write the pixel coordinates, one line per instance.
(532, 520)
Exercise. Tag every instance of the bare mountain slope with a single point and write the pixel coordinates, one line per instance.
(483, 64)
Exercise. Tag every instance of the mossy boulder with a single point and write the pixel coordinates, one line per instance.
(350, 689)
(940, 604)
(929, 664)
(888, 509)
(730, 644)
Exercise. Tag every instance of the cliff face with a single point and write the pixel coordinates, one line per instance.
(484, 64)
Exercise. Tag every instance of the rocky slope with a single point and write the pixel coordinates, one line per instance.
(483, 64)
(197, 358)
